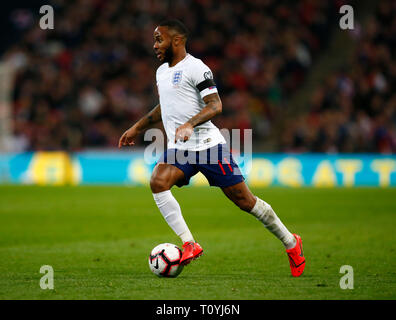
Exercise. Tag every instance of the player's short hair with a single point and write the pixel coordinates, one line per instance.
(177, 26)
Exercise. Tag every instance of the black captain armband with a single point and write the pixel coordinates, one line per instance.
(208, 83)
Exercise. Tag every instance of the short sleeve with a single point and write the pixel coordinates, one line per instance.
(202, 79)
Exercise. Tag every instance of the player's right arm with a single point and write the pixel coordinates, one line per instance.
(128, 137)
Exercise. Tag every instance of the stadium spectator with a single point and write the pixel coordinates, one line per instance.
(91, 76)
(354, 110)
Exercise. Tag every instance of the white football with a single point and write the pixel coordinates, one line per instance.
(164, 260)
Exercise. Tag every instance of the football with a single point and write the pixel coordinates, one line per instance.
(164, 260)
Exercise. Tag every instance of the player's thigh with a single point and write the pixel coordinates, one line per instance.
(241, 195)
(164, 177)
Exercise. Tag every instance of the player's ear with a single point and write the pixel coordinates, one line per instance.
(177, 40)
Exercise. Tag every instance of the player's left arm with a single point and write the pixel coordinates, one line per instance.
(212, 108)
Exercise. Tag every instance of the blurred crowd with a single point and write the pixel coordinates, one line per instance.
(354, 110)
(83, 83)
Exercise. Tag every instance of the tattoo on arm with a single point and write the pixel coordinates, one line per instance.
(154, 115)
(212, 103)
(212, 108)
(151, 118)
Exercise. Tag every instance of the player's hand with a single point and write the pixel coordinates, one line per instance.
(184, 132)
(128, 137)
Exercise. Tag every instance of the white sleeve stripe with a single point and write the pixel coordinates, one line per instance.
(208, 91)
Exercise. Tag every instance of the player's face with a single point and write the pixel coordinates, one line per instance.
(163, 44)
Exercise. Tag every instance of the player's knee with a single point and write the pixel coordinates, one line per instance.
(158, 184)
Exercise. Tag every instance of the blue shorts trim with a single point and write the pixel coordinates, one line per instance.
(215, 163)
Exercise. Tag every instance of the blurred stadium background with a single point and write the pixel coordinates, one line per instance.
(321, 101)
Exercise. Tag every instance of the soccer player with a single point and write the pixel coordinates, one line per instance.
(188, 100)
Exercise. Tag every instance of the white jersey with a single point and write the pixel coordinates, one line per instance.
(180, 100)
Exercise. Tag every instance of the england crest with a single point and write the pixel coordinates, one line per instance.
(177, 77)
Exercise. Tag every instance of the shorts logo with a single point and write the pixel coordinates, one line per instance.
(176, 78)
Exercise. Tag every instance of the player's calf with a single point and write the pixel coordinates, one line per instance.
(241, 196)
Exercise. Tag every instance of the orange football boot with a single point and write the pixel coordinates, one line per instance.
(296, 258)
(191, 251)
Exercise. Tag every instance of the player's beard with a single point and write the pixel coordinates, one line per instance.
(168, 55)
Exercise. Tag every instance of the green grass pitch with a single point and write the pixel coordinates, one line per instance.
(97, 239)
